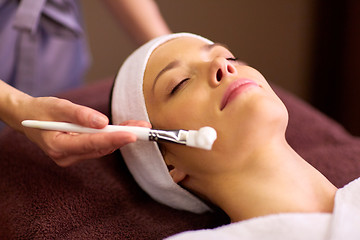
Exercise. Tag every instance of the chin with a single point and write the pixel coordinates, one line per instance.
(254, 123)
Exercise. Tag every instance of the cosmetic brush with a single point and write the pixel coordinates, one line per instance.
(202, 138)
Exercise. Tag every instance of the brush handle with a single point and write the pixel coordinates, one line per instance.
(141, 133)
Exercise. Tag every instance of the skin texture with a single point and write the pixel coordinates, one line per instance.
(251, 163)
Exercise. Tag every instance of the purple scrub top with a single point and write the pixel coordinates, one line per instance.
(43, 47)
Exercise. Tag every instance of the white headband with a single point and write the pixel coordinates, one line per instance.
(144, 159)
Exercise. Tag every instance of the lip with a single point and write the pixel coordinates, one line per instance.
(236, 88)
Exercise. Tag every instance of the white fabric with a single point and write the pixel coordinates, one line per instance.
(144, 159)
(343, 223)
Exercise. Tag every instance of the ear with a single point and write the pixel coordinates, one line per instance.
(177, 175)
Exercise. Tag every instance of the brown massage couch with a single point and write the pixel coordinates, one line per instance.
(98, 199)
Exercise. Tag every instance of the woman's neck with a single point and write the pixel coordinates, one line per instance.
(277, 180)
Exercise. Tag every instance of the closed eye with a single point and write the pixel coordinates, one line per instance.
(179, 86)
(236, 60)
(232, 59)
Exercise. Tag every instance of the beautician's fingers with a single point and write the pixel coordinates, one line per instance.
(82, 115)
(67, 148)
(71, 148)
(64, 148)
(56, 109)
(136, 123)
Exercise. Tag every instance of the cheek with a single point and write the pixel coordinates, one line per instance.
(179, 116)
(187, 110)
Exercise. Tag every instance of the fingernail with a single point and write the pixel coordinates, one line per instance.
(99, 121)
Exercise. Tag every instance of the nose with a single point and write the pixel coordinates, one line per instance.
(220, 69)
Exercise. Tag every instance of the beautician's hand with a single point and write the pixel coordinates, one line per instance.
(68, 148)
(64, 148)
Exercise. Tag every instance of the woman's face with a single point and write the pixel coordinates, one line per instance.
(189, 84)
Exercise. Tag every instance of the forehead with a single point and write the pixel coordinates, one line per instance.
(179, 48)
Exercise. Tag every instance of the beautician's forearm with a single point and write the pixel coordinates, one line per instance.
(140, 18)
(11, 102)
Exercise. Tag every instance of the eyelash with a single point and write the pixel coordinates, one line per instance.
(234, 59)
(174, 90)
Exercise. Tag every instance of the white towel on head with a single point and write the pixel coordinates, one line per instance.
(144, 159)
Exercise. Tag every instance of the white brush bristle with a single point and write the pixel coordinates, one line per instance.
(203, 138)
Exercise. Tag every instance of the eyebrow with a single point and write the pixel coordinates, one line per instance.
(168, 67)
(208, 47)
(176, 63)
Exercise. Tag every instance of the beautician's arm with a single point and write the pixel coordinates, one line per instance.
(140, 18)
(65, 149)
